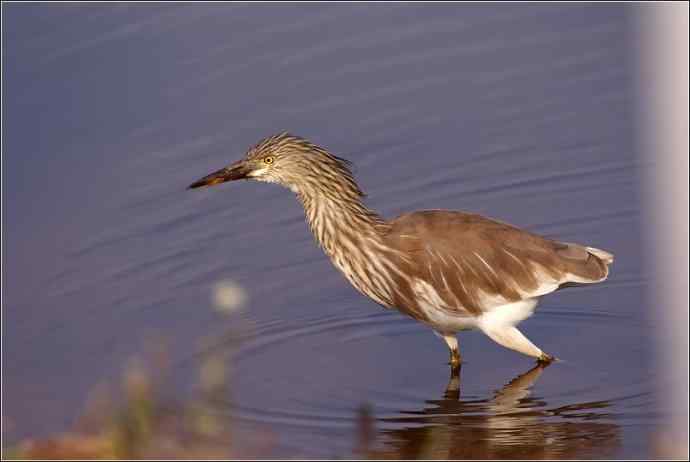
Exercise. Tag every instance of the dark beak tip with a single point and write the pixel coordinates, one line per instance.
(235, 172)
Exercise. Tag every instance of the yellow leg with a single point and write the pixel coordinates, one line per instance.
(452, 342)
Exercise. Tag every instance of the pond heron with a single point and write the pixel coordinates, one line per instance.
(450, 270)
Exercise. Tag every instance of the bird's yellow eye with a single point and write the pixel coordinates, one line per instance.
(269, 160)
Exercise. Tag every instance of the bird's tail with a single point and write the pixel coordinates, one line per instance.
(602, 255)
(585, 265)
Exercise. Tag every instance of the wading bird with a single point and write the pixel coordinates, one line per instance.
(450, 270)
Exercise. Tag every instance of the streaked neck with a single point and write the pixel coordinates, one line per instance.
(339, 222)
(352, 235)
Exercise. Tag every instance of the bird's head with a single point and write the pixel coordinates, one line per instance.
(288, 160)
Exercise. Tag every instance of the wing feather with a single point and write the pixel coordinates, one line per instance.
(475, 263)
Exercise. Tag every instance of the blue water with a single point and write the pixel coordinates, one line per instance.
(519, 112)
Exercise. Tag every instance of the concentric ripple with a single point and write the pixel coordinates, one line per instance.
(317, 379)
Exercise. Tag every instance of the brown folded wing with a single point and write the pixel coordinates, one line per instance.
(475, 263)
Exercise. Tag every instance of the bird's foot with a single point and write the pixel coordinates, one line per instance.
(455, 363)
(455, 357)
(455, 368)
(545, 359)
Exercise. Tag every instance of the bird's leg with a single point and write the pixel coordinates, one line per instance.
(545, 359)
(453, 388)
(455, 359)
(510, 337)
(455, 365)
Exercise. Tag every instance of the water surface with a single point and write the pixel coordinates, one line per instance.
(519, 112)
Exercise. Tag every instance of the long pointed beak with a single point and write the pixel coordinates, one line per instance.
(236, 171)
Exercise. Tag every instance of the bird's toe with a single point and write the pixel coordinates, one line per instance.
(545, 359)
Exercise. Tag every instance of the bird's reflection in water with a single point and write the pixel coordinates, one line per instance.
(510, 424)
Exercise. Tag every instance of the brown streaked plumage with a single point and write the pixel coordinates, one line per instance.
(448, 269)
(470, 252)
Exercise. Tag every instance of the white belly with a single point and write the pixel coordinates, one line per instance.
(444, 320)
